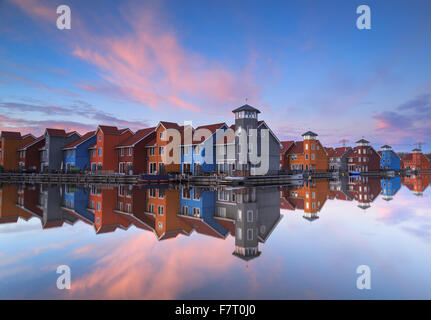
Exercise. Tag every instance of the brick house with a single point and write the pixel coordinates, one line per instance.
(103, 156)
(132, 152)
(9, 145)
(363, 158)
(337, 158)
(416, 161)
(417, 183)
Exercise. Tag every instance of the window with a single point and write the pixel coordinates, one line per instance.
(197, 149)
(153, 167)
(160, 210)
(160, 225)
(120, 206)
(121, 151)
(100, 137)
(249, 234)
(196, 211)
(185, 210)
(128, 208)
(129, 152)
(186, 150)
(99, 152)
(151, 151)
(306, 156)
(186, 193)
(222, 211)
(161, 150)
(249, 216)
(99, 206)
(239, 215)
(312, 146)
(313, 156)
(239, 233)
(161, 193)
(152, 193)
(151, 208)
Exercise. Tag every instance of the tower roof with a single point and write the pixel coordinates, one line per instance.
(362, 141)
(417, 150)
(386, 147)
(246, 107)
(309, 133)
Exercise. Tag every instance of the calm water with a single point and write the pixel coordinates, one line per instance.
(302, 241)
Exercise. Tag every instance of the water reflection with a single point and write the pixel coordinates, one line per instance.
(220, 222)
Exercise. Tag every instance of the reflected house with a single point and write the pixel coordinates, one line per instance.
(75, 202)
(246, 120)
(339, 189)
(416, 161)
(10, 196)
(197, 208)
(77, 154)
(389, 160)
(365, 190)
(390, 187)
(29, 200)
(337, 158)
(29, 155)
(132, 152)
(103, 156)
(50, 202)
(308, 154)
(309, 198)
(194, 153)
(417, 183)
(157, 150)
(250, 214)
(51, 154)
(363, 158)
(164, 205)
(10, 143)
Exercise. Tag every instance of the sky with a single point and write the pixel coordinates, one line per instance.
(304, 64)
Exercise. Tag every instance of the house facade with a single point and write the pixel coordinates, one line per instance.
(157, 151)
(77, 154)
(417, 183)
(103, 155)
(389, 160)
(363, 158)
(337, 158)
(416, 161)
(390, 187)
(194, 154)
(132, 152)
(306, 155)
(365, 190)
(51, 154)
(10, 143)
(29, 155)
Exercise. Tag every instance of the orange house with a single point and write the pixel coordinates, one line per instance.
(417, 184)
(103, 155)
(164, 204)
(9, 145)
(308, 154)
(157, 150)
(416, 161)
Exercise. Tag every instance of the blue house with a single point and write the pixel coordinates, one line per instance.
(77, 154)
(390, 187)
(75, 201)
(389, 160)
(197, 208)
(193, 154)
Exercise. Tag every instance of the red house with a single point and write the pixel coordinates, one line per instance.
(363, 158)
(416, 161)
(103, 155)
(29, 155)
(132, 152)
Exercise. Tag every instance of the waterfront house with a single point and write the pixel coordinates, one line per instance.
(103, 155)
(417, 183)
(197, 208)
(29, 155)
(363, 158)
(389, 160)
(337, 158)
(51, 154)
(364, 190)
(390, 187)
(416, 161)
(75, 203)
(77, 154)
(10, 142)
(194, 153)
(132, 152)
(308, 155)
(160, 159)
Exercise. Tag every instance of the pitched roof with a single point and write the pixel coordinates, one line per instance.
(25, 147)
(417, 150)
(56, 132)
(84, 138)
(211, 127)
(286, 146)
(386, 147)
(408, 157)
(10, 135)
(137, 137)
(337, 152)
(246, 107)
(202, 227)
(362, 141)
(171, 125)
(309, 133)
(297, 148)
(112, 129)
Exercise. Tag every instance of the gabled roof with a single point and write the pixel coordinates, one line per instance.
(113, 130)
(417, 150)
(137, 137)
(286, 145)
(200, 226)
(56, 132)
(386, 147)
(10, 135)
(246, 107)
(362, 141)
(211, 127)
(297, 148)
(28, 145)
(170, 125)
(84, 138)
(337, 152)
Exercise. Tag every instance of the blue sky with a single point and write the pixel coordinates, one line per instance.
(304, 64)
